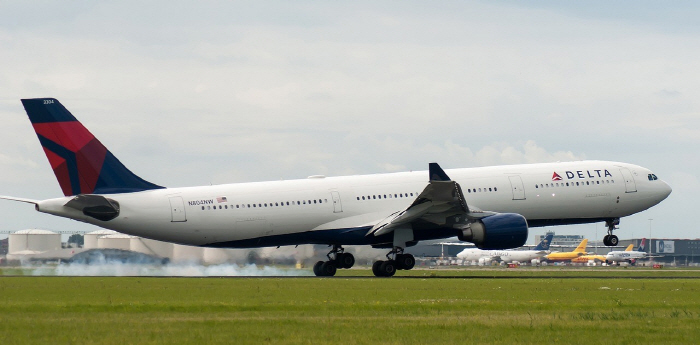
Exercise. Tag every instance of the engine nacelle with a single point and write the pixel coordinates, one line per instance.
(500, 231)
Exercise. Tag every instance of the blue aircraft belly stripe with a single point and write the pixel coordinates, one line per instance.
(346, 236)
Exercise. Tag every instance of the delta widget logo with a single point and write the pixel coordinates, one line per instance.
(556, 177)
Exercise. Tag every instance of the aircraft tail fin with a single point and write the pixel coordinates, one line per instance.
(642, 245)
(582, 246)
(629, 248)
(80, 162)
(546, 241)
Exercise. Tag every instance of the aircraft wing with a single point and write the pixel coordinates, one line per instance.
(441, 202)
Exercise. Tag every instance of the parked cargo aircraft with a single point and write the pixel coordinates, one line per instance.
(507, 256)
(568, 256)
(588, 258)
(490, 206)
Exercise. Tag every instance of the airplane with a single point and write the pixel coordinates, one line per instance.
(507, 256)
(492, 207)
(629, 255)
(595, 257)
(568, 256)
(588, 258)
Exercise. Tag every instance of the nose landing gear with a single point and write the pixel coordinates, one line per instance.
(611, 240)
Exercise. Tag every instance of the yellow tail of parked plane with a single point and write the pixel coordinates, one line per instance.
(568, 256)
(629, 248)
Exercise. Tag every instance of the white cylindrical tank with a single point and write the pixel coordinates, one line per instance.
(183, 253)
(33, 240)
(90, 239)
(152, 247)
(215, 256)
(116, 241)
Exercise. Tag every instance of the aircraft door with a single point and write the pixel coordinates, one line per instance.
(630, 185)
(517, 187)
(177, 209)
(337, 205)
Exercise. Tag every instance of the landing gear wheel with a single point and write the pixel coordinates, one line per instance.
(328, 269)
(405, 261)
(345, 260)
(387, 268)
(375, 268)
(611, 240)
(317, 269)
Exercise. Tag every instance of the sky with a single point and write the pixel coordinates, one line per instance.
(214, 92)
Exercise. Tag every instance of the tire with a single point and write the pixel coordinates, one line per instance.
(346, 260)
(328, 269)
(317, 269)
(388, 268)
(606, 240)
(398, 262)
(407, 261)
(613, 240)
(375, 268)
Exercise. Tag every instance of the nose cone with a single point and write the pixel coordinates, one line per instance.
(665, 190)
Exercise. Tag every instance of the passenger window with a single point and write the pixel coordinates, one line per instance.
(202, 207)
(374, 197)
(495, 189)
(490, 190)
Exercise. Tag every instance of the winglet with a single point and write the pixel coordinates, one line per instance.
(436, 173)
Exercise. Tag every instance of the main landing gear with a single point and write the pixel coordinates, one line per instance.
(337, 258)
(611, 240)
(400, 261)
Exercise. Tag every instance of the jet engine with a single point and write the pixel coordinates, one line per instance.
(500, 231)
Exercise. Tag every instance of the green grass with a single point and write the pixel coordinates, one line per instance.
(113, 310)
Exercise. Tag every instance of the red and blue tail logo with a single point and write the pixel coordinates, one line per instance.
(81, 163)
(556, 177)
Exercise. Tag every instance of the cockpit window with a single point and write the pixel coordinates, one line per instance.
(652, 177)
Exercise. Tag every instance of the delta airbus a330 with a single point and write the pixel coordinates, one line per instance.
(490, 206)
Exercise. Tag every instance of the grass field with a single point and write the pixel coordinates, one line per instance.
(412, 310)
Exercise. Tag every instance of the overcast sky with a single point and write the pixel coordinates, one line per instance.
(189, 93)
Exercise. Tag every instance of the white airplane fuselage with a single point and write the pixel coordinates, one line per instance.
(619, 256)
(507, 256)
(340, 210)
